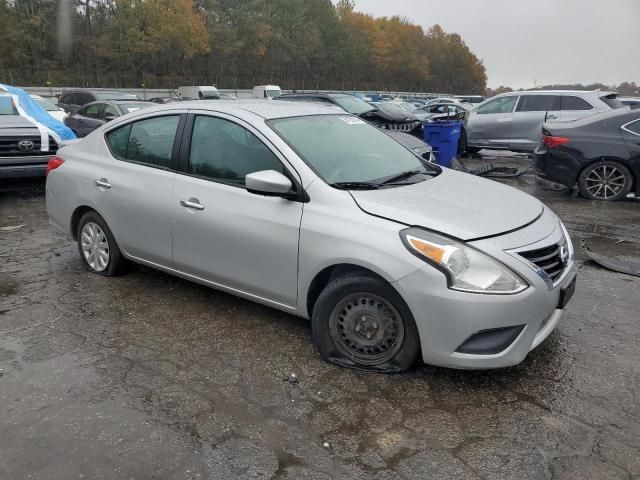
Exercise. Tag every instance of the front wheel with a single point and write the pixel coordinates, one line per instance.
(359, 321)
(605, 180)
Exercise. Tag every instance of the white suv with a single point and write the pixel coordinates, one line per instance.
(513, 121)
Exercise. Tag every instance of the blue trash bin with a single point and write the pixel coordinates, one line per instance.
(443, 138)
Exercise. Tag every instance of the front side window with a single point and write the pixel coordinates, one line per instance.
(110, 111)
(538, 103)
(499, 105)
(224, 151)
(343, 148)
(148, 141)
(575, 103)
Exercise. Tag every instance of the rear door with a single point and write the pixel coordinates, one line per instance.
(530, 114)
(133, 182)
(490, 124)
(574, 107)
(631, 134)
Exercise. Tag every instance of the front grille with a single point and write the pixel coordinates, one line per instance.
(10, 146)
(549, 259)
(400, 127)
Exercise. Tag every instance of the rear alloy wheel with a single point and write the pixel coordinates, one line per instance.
(606, 180)
(360, 321)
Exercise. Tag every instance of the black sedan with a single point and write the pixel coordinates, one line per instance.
(95, 114)
(600, 153)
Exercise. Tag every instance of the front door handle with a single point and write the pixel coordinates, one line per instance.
(504, 120)
(192, 203)
(552, 117)
(103, 183)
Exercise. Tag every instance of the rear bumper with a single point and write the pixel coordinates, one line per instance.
(23, 166)
(555, 166)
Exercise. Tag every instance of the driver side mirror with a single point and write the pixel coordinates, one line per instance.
(269, 183)
(108, 117)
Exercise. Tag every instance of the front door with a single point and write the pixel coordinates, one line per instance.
(221, 232)
(490, 125)
(132, 184)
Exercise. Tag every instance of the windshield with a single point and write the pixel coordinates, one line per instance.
(273, 93)
(343, 148)
(45, 104)
(354, 105)
(7, 107)
(115, 96)
(132, 107)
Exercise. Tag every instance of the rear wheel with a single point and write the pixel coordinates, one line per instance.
(605, 180)
(359, 321)
(98, 249)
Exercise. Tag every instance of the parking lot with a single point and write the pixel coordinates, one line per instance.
(149, 376)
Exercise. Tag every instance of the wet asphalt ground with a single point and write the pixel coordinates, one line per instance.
(147, 376)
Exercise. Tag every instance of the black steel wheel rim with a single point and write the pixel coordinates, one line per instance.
(605, 182)
(366, 328)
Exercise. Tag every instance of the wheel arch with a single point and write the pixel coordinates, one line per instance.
(604, 158)
(75, 219)
(322, 278)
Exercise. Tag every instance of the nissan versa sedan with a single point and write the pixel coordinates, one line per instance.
(317, 213)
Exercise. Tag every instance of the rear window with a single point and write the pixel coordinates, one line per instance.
(538, 103)
(612, 101)
(7, 107)
(575, 103)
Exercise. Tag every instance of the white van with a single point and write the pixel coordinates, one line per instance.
(267, 91)
(202, 92)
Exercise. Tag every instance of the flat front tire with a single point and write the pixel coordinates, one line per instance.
(98, 249)
(359, 321)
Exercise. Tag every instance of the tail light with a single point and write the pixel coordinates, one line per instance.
(554, 142)
(53, 163)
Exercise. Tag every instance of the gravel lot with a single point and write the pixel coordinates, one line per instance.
(147, 376)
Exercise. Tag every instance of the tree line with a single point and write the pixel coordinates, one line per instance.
(298, 44)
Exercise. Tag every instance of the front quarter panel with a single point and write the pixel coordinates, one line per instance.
(335, 231)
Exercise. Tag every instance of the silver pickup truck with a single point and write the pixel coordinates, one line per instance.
(21, 154)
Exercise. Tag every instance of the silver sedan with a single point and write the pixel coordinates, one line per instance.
(319, 214)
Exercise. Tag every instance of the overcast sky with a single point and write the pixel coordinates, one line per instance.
(548, 41)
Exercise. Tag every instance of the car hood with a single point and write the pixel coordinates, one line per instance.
(454, 203)
(15, 121)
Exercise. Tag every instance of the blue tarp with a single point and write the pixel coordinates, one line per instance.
(36, 113)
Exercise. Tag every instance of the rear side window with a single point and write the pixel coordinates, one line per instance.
(91, 111)
(149, 141)
(575, 103)
(612, 101)
(224, 151)
(538, 103)
(499, 105)
(634, 127)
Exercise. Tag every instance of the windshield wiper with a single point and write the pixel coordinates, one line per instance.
(355, 185)
(403, 176)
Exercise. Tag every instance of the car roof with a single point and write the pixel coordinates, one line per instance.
(245, 109)
(559, 92)
(315, 95)
(89, 90)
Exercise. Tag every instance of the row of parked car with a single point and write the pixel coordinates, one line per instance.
(512, 121)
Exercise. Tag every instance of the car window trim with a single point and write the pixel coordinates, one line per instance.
(173, 162)
(185, 150)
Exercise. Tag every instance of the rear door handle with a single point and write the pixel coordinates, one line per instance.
(103, 183)
(504, 120)
(192, 203)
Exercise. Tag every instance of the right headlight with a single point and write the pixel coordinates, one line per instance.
(466, 268)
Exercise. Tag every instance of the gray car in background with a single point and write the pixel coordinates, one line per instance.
(513, 121)
(317, 213)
